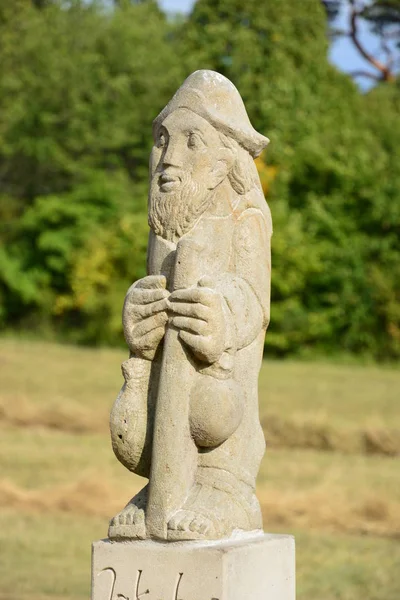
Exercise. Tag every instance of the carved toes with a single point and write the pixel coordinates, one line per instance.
(201, 525)
(181, 520)
(129, 523)
(189, 524)
(131, 515)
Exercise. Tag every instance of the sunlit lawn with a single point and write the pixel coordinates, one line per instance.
(58, 487)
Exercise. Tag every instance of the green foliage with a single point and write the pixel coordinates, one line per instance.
(81, 83)
(335, 208)
(80, 90)
(78, 93)
(101, 272)
(70, 253)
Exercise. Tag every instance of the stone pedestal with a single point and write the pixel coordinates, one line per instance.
(258, 567)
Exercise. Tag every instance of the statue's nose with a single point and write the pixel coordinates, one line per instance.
(173, 155)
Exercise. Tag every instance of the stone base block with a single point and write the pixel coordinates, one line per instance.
(260, 567)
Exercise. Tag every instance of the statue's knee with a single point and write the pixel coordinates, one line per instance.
(216, 410)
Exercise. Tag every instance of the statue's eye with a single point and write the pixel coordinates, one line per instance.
(161, 141)
(194, 140)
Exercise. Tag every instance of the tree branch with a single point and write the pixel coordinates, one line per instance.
(385, 71)
(365, 74)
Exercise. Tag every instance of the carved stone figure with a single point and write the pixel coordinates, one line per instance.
(187, 416)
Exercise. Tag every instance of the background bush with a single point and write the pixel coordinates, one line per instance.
(80, 84)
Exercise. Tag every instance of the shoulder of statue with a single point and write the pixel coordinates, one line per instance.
(253, 207)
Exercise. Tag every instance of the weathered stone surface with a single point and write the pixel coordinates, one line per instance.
(187, 415)
(258, 568)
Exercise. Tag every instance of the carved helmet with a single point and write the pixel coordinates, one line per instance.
(213, 97)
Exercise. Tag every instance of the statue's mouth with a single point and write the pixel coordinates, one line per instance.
(169, 182)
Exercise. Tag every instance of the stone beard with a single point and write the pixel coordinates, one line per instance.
(172, 214)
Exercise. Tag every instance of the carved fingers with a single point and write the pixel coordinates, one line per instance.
(144, 315)
(137, 311)
(143, 339)
(193, 318)
(149, 326)
(200, 316)
(200, 313)
(202, 295)
(150, 282)
(187, 309)
(202, 346)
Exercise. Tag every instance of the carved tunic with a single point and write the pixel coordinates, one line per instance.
(239, 267)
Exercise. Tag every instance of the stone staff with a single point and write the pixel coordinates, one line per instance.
(174, 457)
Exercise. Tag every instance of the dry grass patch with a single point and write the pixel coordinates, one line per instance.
(340, 395)
(66, 416)
(330, 510)
(61, 482)
(280, 432)
(89, 496)
(319, 434)
(343, 396)
(321, 508)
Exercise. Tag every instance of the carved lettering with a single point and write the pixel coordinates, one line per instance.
(113, 574)
(137, 594)
(178, 583)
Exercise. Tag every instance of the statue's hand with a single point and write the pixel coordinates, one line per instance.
(144, 315)
(200, 314)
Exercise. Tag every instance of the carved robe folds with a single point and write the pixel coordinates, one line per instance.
(185, 422)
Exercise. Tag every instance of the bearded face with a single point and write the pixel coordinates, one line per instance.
(185, 167)
(174, 213)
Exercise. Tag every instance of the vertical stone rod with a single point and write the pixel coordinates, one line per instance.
(174, 458)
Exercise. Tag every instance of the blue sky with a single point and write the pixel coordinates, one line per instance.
(342, 53)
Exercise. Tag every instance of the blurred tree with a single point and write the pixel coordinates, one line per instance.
(80, 84)
(78, 92)
(41, 3)
(383, 16)
(329, 163)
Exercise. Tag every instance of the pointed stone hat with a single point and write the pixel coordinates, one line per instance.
(213, 97)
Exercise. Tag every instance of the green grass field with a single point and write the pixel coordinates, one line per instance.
(330, 476)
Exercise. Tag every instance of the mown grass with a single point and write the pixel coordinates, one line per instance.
(353, 409)
(60, 482)
(52, 375)
(53, 552)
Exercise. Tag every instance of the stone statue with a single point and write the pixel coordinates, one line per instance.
(187, 416)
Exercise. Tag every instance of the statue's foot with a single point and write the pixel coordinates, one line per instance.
(211, 513)
(130, 522)
(188, 525)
